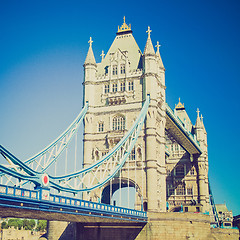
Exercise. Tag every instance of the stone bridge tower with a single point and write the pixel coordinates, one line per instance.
(116, 89)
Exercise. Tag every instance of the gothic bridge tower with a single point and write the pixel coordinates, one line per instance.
(116, 89)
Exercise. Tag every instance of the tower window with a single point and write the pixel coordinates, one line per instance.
(180, 170)
(122, 87)
(176, 147)
(115, 87)
(118, 123)
(122, 68)
(114, 70)
(189, 191)
(171, 191)
(100, 127)
(180, 190)
(133, 154)
(106, 88)
(130, 86)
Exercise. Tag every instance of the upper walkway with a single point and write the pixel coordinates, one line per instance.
(176, 128)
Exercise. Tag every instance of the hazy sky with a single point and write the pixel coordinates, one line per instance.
(43, 46)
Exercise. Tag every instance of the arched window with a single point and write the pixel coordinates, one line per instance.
(118, 123)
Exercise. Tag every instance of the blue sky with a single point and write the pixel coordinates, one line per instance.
(43, 45)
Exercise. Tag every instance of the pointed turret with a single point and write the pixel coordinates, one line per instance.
(198, 123)
(90, 59)
(160, 62)
(90, 69)
(149, 50)
(150, 67)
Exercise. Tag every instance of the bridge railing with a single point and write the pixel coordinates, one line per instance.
(36, 195)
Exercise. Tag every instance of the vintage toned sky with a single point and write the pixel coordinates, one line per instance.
(43, 45)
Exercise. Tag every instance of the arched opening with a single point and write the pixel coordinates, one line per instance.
(122, 194)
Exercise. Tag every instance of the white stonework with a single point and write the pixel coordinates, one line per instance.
(116, 89)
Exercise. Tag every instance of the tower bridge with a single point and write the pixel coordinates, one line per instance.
(132, 139)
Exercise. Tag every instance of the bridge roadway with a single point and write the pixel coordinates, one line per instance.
(39, 204)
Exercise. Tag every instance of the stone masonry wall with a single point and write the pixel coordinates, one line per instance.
(160, 226)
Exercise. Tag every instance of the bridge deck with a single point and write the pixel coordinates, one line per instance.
(17, 202)
(175, 127)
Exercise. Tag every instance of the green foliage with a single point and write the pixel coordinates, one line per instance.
(12, 222)
(25, 224)
(41, 225)
(4, 225)
(19, 224)
(32, 223)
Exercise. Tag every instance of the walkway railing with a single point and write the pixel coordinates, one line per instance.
(37, 200)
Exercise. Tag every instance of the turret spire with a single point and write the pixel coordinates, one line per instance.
(159, 56)
(102, 55)
(198, 123)
(90, 59)
(149, 46)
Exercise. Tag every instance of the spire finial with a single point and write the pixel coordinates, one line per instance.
(198, 112)
(179, 106)
(149, 32)
(124, 28)
(158, 46)
(102, 55)
(90, 42)
(201, 117)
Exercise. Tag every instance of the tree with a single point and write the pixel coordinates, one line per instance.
(12, 222)
(26, 224)
(41, 225)
(4, 225)
(32, 223)
(19, 224)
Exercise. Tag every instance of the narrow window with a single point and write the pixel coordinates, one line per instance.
(176, 147)
(100, 127)
(122, 87)
(133, 154)
(130, 86)
(192, 172)
(189, 191)
(122, 68)
(114, 70)
(114, 88)
(106, 89)
(171, 192)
